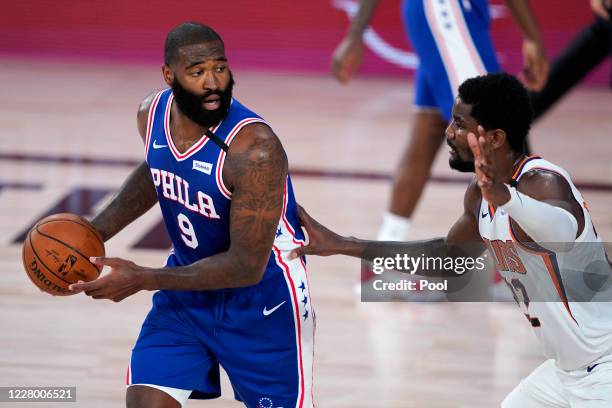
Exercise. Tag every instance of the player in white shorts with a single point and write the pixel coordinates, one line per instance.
(537, 227)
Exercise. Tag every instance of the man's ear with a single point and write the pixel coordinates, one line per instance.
(168, 74)
(498, 137)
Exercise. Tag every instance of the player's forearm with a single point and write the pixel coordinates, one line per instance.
(524, 17)
(362, 18)
(222, 271)
(135, 197)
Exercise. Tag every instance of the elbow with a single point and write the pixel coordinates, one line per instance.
(254, 276)
(249, 273)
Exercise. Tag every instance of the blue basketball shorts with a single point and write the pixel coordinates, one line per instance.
(453, 43)
(261, 335)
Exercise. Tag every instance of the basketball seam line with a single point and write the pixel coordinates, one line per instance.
(23, 258)
(96, 233)
(69, 246)
(44, 264)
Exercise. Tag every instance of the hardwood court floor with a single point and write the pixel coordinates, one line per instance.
(387, 355)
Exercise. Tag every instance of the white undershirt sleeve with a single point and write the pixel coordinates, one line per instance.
(543, 222)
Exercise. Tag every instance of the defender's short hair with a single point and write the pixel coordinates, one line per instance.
(187, 34)
(500, 101)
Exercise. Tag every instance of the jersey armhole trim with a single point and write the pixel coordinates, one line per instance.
(221, 160)
(579, 201)
(150, 121)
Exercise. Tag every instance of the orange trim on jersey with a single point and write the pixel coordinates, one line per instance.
(549, 169)
(522, 164)
(491, 211)
(551, 266)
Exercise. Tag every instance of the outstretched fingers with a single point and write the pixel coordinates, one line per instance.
(483, 158)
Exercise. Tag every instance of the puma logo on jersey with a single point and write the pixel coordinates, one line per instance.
(204, 167)
(176, 189)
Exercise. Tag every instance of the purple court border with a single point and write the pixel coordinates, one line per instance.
(295, 171)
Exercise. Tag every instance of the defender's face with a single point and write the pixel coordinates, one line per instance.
(461, 156)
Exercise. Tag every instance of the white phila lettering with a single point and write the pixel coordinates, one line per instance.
(172, 184)
(155, 176)
(168, 185)
(180, 190)
(207, 208)
(190, 207)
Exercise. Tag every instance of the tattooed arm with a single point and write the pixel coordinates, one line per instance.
(256, 170)
(137, 194)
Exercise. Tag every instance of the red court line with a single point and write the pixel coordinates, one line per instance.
(295, 171)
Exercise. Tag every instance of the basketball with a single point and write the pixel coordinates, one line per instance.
(56, 253)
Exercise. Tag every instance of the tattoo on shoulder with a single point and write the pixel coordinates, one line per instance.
(257, 175)
(262, 164)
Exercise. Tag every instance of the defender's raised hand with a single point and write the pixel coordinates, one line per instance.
(321, 240)
(487, 174)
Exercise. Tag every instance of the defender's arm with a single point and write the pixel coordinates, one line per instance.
(462, 240)
(543, 209)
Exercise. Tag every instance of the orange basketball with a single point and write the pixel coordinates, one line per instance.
(56, 252)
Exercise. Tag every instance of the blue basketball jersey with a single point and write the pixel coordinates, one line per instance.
(194, 200)
(262, 335)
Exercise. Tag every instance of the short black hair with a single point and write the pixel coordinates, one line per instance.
(500, 101)
(187, 34)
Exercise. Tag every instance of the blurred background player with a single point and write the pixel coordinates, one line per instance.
(228, 295)
(528, 206)
(453, 43)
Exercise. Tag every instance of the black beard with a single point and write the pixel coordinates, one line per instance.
(457, 163)
(191, 104)
(460, 165)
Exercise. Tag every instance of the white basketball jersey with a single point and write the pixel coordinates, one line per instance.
(544, 282)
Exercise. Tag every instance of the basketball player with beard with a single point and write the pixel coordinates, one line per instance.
(535, 222)
(228, 295)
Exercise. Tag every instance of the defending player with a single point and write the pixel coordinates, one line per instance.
(228, 294)
(453, 42)
(522, 208)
